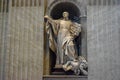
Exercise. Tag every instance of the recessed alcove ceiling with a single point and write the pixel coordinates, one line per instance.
(57, 10)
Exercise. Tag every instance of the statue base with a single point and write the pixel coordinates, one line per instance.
(64, 77)
(58, 70)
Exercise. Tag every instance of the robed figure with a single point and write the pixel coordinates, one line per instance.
(62, 34)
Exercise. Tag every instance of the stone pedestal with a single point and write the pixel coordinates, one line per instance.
(64, 77)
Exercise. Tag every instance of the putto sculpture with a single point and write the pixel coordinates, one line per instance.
(62, 34)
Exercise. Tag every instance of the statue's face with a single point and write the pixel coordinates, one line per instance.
(65, 14)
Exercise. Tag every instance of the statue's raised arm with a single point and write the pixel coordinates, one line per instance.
(54, 23)
(48, 18)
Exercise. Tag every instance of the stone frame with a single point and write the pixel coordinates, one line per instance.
(83, 15)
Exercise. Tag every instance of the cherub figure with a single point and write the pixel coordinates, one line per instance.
(78, 66)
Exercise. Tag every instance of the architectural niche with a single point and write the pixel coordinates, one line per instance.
(77, 10)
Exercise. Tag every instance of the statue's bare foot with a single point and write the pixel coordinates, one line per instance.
(67, 68)
(64, 67)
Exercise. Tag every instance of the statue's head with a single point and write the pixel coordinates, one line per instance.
(65, 14)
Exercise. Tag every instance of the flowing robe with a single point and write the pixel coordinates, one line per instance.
(61, 39)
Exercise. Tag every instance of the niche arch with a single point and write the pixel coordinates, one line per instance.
(56, 9)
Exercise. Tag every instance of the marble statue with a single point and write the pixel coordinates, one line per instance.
(62, 34)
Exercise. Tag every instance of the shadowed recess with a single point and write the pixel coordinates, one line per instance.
(73, 10)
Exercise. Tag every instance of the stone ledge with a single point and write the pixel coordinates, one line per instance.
(64, 77)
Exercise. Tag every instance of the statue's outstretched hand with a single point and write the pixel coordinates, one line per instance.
(46, 16)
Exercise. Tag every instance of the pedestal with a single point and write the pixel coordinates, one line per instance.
(64, 77)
